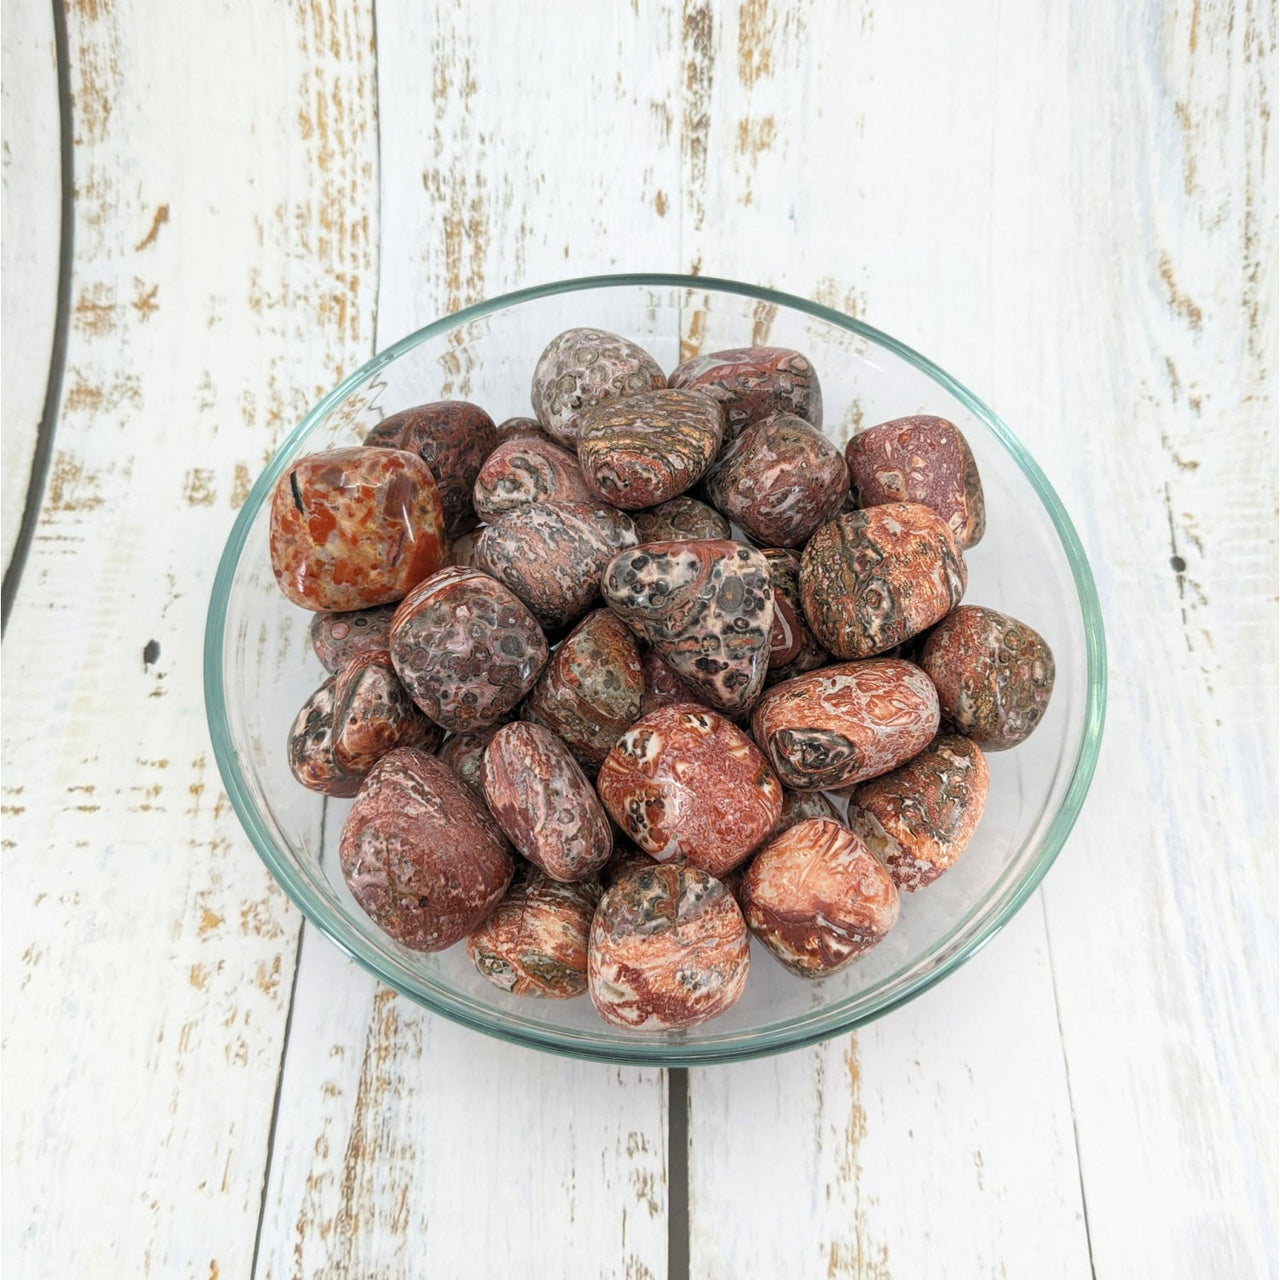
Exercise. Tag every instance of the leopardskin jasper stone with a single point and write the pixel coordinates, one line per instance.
(920, 459)
(792, 647)
(535, 941)
(994, 675)
(781, 479)
(353, 528)
(706, 607)
(351, 722)
(625, 857)
(799, 805)
(462, 550)
(466, 648)
(682, 518)
(464, 754)
(817, 898)
(583, 368)
(453, 438)
(338, 637)
(684, 782)
(551, 554)
(754, 382)
(543, 802)
(662, 687)
(846, 723)
(872, 579)
(642, 450)
(592, 689)
(420, 854)
(668, 950)
(919, 819)
(519, 429)
(522, 471)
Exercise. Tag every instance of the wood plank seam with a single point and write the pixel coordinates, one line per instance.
(275, 1101)
(58, 354)
(1066, 1073)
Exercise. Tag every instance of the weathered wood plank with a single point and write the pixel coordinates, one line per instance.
(31, 245)
(225, 162)
(432, 1143)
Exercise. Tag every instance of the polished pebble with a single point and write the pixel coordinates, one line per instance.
(592, 689)
(583, 368)
(754, 382)
(338, 637)
(662, 687)
(994, 675)
(680, 518)
(643, 450)
(453, 438)
(920, 818)
(706, 607)
(793, 649)
(872, 579)
(543, 802)
(535, 941)
(684, 782)
(817, 898)
(845, 723)
(920, 459)
(466, 648)
(797, 806)
(519, 429)
(781, 479)
(551, 554)
(352, 721)
(353, 528)
(422, 858)
(668, 950)
(464, 754)
(528, 470)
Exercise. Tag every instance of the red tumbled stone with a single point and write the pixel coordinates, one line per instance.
(994, 675)
(668, 949)
(527, 470)
(685, 783)
(466, 648)
(543, 802)
(551, 554)
(419, 853)
(583, 368)
(643, 450)
(780, 480)
(353, 528)
(338, 637)
(817, 897)
(453, 438)
(920, 818)
(352, 721)
(872, 579)
(535, 941)
(920, 459)
(592, 688)
(793, 650)
(754, 382)
(846, 723)
(705, 606)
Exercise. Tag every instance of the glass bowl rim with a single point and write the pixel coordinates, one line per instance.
(644, 1052)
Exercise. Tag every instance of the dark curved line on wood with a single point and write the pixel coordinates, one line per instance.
(61, 325)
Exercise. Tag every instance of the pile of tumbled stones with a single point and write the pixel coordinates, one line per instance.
(618, 685)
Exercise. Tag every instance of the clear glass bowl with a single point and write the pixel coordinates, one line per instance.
(259, 667)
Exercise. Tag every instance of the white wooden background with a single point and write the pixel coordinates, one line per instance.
(1070, 206)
